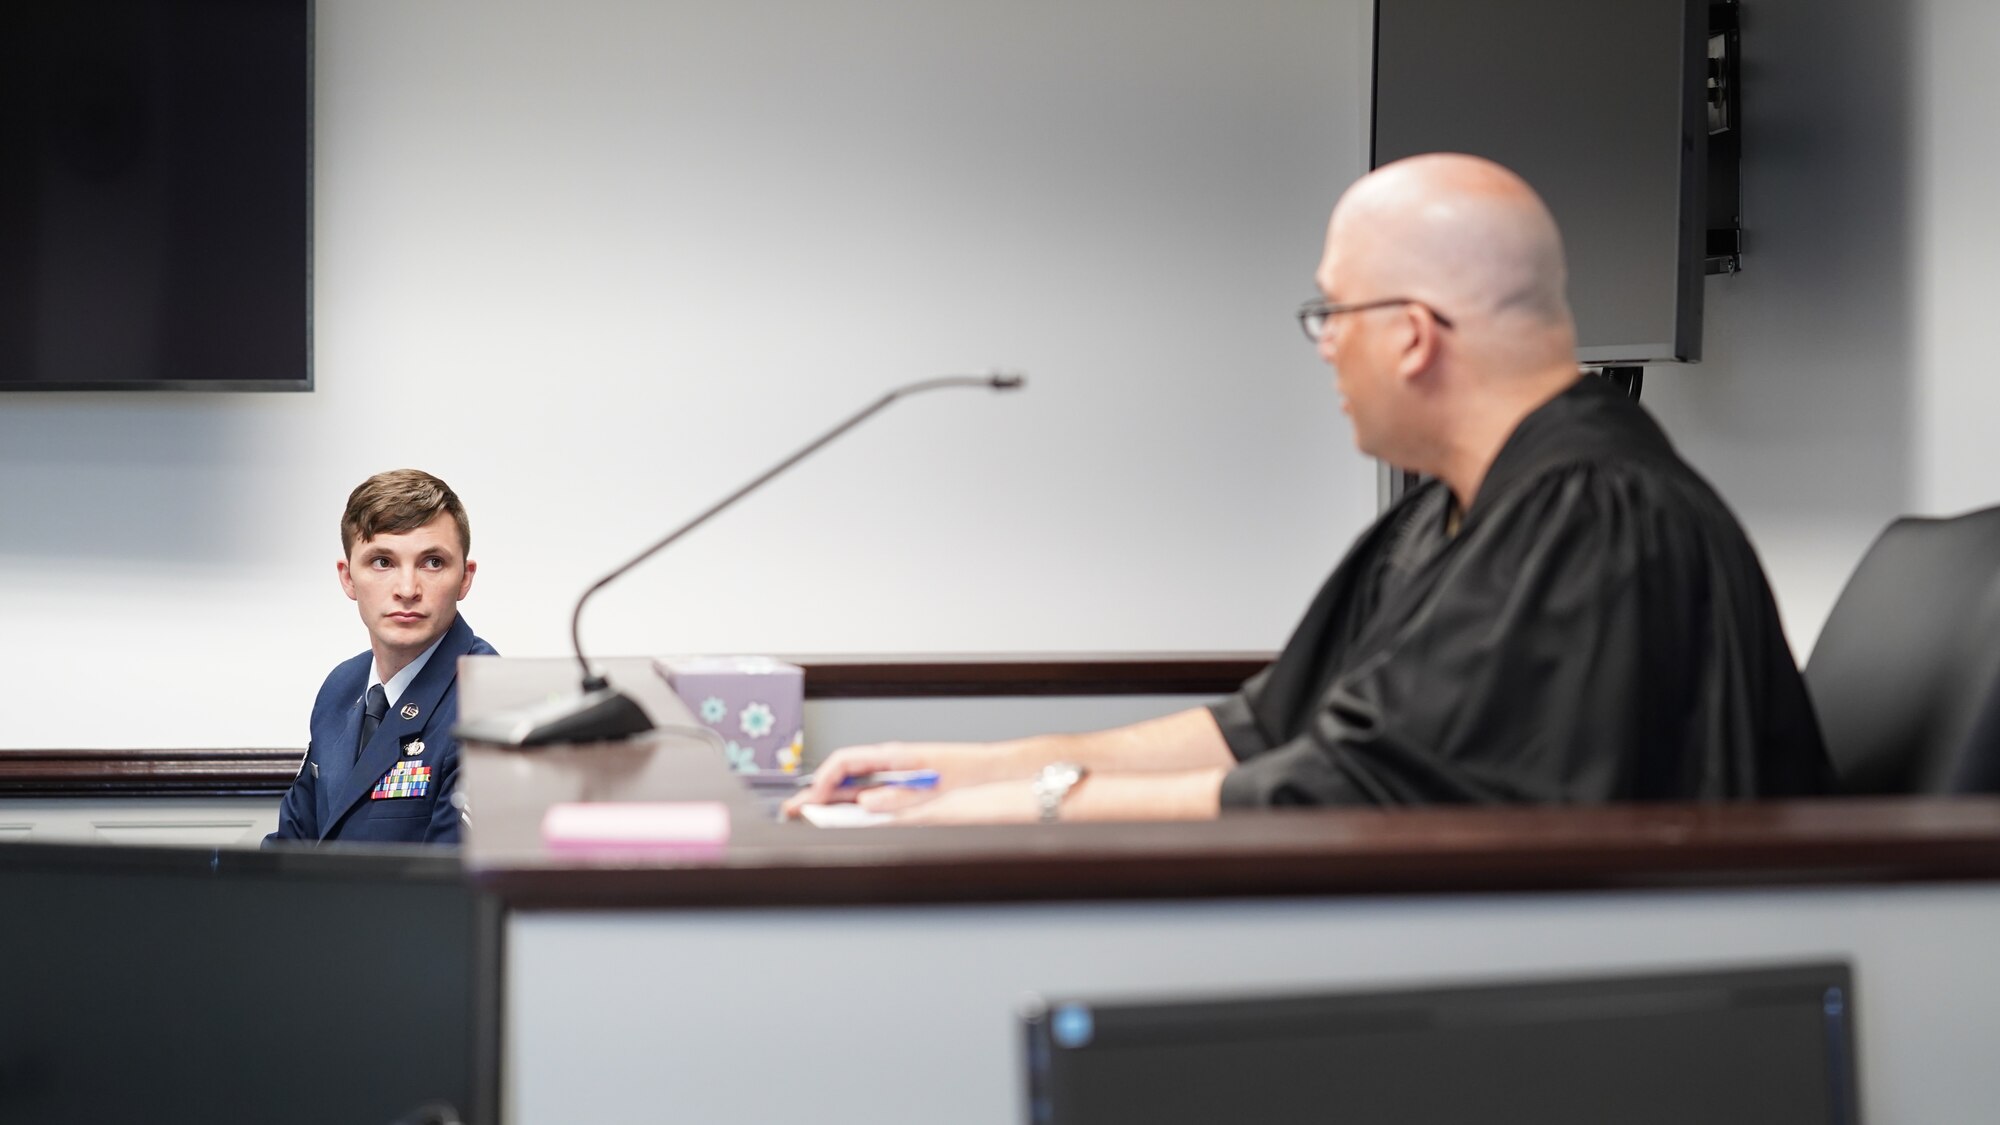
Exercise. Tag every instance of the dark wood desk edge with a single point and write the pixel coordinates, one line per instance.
(1430, 852)
(1191, 879)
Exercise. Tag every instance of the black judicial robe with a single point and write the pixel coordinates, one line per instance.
(1598, 629)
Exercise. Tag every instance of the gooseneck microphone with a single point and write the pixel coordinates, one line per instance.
(601, 713)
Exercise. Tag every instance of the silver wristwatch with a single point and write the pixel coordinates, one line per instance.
(1053, 783)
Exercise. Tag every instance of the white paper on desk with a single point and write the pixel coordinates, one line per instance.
(844, 815)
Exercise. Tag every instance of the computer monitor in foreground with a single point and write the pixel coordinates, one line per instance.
(1765, 1046)
(189, 985)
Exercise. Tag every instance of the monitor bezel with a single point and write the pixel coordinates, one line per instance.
(1040, 1016)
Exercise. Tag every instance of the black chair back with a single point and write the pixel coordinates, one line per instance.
(1906, 674)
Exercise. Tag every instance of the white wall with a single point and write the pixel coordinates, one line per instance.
(1956, 229)
(597, 263)
(1846, 379)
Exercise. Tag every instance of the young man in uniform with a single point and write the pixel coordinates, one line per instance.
(381, 766)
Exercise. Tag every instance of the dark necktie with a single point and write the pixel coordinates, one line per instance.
(378, 706)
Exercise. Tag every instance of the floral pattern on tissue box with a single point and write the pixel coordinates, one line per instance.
(755, 703)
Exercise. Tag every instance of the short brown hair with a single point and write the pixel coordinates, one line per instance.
(397, 501)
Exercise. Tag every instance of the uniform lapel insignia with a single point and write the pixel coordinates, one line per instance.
(410, 711)
(413, 747)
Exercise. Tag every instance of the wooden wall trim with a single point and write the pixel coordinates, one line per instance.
(266, 772)
(894, 677)
(148, 773)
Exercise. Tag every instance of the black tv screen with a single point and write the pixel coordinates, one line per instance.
(1599, 104)
(155, 195)
(1771, 1046)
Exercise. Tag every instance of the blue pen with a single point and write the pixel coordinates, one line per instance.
(899, 779)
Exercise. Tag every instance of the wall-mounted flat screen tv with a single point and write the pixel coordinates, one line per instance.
(156, 195)
(1600, 104)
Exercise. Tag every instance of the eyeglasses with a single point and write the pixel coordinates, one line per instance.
(1314, 315)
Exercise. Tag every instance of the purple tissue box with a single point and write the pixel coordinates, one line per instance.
(755, 703)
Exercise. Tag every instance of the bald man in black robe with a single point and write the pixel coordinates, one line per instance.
(1564, 612)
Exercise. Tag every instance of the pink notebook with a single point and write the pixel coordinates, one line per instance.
(636, 824)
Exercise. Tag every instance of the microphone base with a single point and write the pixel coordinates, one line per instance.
(602, 714)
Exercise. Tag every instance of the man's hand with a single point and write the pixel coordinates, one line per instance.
(1189, 795)
(958, 764)
(999, 802)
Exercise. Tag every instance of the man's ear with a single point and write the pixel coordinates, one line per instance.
(346, 580)
(1420, 340)
(465, 584)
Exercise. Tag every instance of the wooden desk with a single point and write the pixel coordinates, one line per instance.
(643, 985)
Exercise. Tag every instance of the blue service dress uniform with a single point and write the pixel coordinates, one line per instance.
(399, 790)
